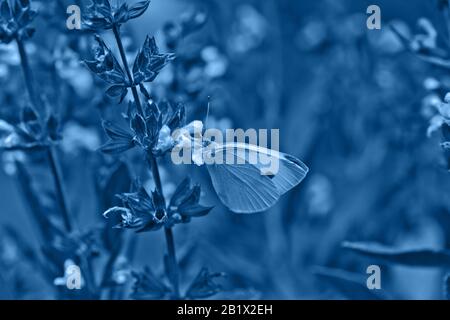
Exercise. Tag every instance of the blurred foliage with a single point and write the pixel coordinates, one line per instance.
(366, 110)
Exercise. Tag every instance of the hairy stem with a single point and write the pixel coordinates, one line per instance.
(54, 167)
(127, 69)
(153, 164)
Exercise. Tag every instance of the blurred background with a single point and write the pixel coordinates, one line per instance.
(354, 104)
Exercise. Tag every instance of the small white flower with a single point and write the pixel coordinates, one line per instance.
(435, 124)
(431, 84)
(165, 141)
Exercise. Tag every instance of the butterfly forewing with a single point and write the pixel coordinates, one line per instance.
(291, 172)
(286, 171)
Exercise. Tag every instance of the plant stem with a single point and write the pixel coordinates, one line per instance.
(167, 230)
(61, 194)
(153, 164)
(26, 70)
(127, 69)
(155, 172)
(35, 100)
(173, 261)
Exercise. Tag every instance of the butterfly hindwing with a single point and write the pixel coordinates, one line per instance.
(242, 188)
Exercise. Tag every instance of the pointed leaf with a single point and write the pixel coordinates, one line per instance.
(148, 286)
(414, 258)
(115, 132)
(203, 285)
(116, 91)
(350, 284)
(117, 146)
(138, 9)
(5, 10)
(181, 192)
(194, 210)
(139, 127)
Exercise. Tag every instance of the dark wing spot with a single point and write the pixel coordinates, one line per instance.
(296, 161)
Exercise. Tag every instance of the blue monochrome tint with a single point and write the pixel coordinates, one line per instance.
(239, 149)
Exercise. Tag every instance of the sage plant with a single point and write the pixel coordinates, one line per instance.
(95, 261)
(150, 127)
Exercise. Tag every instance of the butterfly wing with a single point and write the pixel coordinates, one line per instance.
(292, 171)
(243, 188)
(288, 172)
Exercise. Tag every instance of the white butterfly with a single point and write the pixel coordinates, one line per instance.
(245, 185)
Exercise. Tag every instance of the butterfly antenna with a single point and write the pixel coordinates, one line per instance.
(207, 111)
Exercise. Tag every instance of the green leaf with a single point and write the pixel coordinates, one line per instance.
(115, 132)
(138, 9)
(204, 285)
(117, 146)
(148, 286)
(414, 258)
(116, 91)
(194, 210)
(139, 127)
(350, 284)
(5, 10)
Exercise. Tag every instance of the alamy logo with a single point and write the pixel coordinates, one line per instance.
(374, 20)
(374, 279)
(72, 279)
(74, 20)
